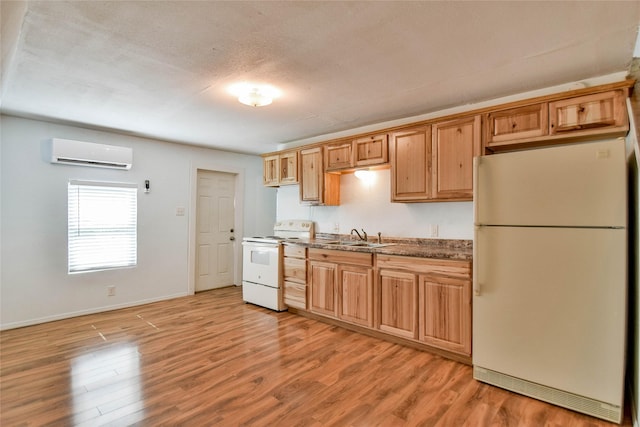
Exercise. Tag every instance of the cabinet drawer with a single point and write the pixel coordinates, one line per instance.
(338, 156)
(295, 295)
(341, 257)
(517, 123)
(371, 150)
(295, 269)
(295, 251)
(428, 266)
(601, 110)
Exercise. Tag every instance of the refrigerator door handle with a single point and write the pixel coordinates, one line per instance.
(474, 270)
(476, 174)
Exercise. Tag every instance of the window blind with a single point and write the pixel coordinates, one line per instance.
(102, 225)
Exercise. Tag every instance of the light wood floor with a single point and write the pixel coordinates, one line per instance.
(211, 360)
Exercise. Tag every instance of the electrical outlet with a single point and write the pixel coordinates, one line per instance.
(336, 227)
(433, 230)
(111, 291)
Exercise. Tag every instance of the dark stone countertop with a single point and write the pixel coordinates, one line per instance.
(424, 248)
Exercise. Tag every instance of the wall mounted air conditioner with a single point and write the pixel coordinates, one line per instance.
(80, 153)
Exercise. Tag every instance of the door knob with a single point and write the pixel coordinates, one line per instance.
(232, 238)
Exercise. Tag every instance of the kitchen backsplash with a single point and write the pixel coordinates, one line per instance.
(368, 206)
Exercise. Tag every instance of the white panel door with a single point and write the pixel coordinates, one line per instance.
(574, 185)
(215, 230)
(550, 307)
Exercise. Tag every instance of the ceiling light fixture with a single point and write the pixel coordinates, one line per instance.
(254, 95)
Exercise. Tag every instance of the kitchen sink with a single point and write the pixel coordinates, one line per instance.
(358, 244)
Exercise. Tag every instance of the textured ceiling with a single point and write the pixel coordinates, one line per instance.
(161, 69)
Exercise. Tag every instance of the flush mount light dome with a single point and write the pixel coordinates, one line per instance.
(254, 95)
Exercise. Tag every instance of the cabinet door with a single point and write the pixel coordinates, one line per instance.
(601, 110)
(398, 308)
(323, 279)
(455, 144)
(445, 313)
(355, 299)
(270, 172)
(338, 156)
(289, 168)
(317, 187)
(311, 183)
(411, 165)
(515, 124)
(371, 150)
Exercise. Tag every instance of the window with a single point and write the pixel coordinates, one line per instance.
(102, 225)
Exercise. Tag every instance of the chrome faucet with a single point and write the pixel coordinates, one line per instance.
(359, 236)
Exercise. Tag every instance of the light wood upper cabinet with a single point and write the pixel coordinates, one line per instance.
(455, 144)
(271, 170)
(411, 164)
(515, 124)
(371, 150)
(316, 186)
(289, 168)
(445, 313)
(398, 306)
(338, 156)
(280, 169)
(602, 111)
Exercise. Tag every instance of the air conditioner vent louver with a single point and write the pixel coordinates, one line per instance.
(70, 152)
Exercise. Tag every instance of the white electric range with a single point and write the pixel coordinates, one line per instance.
(262, 265)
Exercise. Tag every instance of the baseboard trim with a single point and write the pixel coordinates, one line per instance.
(62, 316)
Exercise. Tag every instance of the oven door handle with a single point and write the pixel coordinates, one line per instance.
(261, 245)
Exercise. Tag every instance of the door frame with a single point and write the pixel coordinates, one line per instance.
(238, 218)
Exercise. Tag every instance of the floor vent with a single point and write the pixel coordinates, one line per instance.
(567, 400)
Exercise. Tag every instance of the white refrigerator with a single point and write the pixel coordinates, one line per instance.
(550, 274)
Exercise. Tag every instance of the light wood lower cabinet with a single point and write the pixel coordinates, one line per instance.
(439, 313)
(341, 285)
(445, 313)
(422, 300)
(355, 299)
(323, 294)
(295, 276)
(398, 307)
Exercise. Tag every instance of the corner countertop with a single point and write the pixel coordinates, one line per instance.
(453, 249)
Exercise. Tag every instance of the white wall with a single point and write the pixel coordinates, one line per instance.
(35, 286)
(368, 206)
